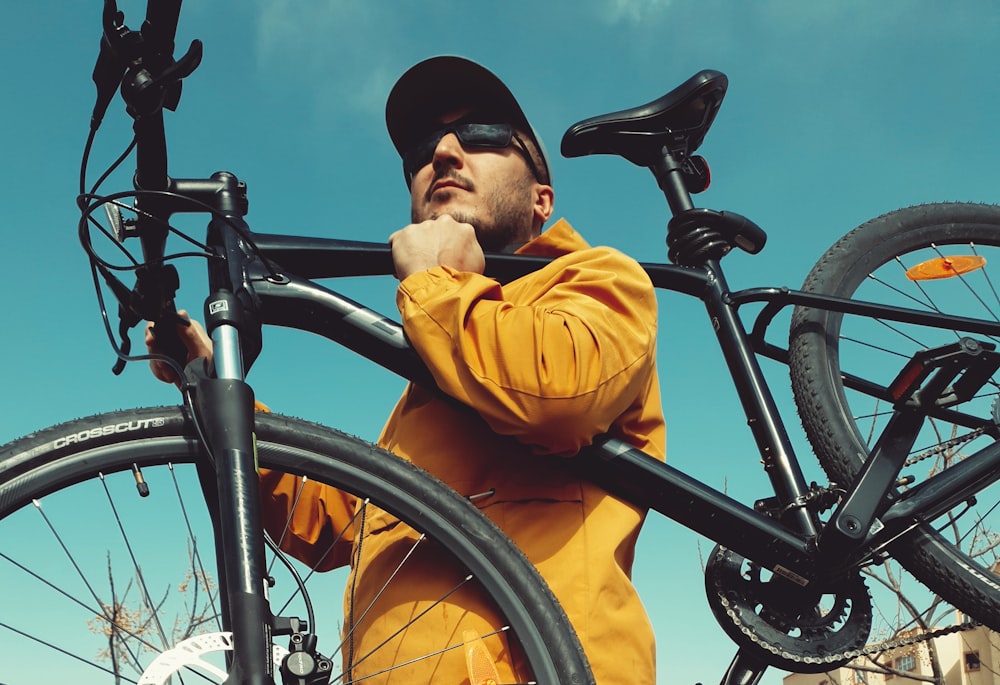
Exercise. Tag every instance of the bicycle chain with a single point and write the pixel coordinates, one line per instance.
(945, 446)
(837, 659)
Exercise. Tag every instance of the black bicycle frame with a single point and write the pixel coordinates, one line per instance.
(788, 547)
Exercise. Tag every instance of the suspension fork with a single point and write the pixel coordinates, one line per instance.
(224, 405)
(226, 411)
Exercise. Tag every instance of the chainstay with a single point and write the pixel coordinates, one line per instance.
(836, 658)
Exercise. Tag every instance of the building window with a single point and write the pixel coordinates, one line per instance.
(972, 661)
(907, 662)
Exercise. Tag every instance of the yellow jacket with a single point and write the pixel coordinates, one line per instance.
(548, 361)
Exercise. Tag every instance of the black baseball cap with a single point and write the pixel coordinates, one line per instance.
(439, 85)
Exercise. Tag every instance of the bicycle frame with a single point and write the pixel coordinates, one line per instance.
(297, 302)
(795, 548)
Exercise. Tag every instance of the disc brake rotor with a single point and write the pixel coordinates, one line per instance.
(191, 654)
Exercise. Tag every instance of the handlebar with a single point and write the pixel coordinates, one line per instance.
(141, 66)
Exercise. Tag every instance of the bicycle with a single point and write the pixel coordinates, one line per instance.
(784, 581)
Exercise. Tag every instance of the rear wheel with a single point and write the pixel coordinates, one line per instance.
(101, 582)
(939, 258)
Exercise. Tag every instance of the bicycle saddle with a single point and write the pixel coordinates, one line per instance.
(679, 120)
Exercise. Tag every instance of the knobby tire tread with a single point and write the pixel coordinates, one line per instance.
(815, 374)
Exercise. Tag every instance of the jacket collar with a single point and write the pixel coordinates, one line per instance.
(557, 240)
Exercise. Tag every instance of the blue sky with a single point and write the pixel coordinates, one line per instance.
(836, 112)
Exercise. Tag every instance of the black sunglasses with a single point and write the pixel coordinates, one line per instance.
(470, 135)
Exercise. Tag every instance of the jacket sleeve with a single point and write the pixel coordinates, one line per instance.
(554, 360)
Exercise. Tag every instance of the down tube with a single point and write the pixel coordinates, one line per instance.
(648, 482)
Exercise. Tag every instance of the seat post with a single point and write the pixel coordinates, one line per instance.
(668, 172)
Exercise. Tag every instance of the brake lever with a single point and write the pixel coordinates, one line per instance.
(152, 299)
(145, 93)
(146, 58)
(111, 65)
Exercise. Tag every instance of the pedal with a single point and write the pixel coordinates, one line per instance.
(945, 376)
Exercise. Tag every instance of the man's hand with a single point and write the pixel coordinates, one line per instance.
(436, 242)
(195, 340)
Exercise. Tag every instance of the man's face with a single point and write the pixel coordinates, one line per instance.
(491, 188)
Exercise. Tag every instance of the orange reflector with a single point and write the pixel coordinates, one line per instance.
(945, 267)
(482, 670)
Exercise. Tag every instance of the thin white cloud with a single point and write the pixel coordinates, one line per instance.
(336, 48)
(632, 11)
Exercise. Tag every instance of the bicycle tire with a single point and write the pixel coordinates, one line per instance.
(61, 464)
(869, 263)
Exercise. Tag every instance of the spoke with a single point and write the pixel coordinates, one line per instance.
(90, 610)
(102, 613)
(416, 618)
(872, 346)
(288, 522)
(986, 277)
(418, 659)
(195, 552)
(67, 653)
(972, 290)
(322, 558)
(899, 291)
(69, 555)
(354, 623)
(146, 598)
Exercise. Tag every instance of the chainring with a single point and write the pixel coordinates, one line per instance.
(781, 624)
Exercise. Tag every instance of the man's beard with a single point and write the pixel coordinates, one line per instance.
(510, 221)
(499, 235)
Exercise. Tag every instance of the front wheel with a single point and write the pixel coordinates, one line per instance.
(936, 258)
(104, 583)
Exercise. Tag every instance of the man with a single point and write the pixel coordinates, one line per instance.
(547, 362)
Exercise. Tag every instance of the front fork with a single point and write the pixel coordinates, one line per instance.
(224, 404)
